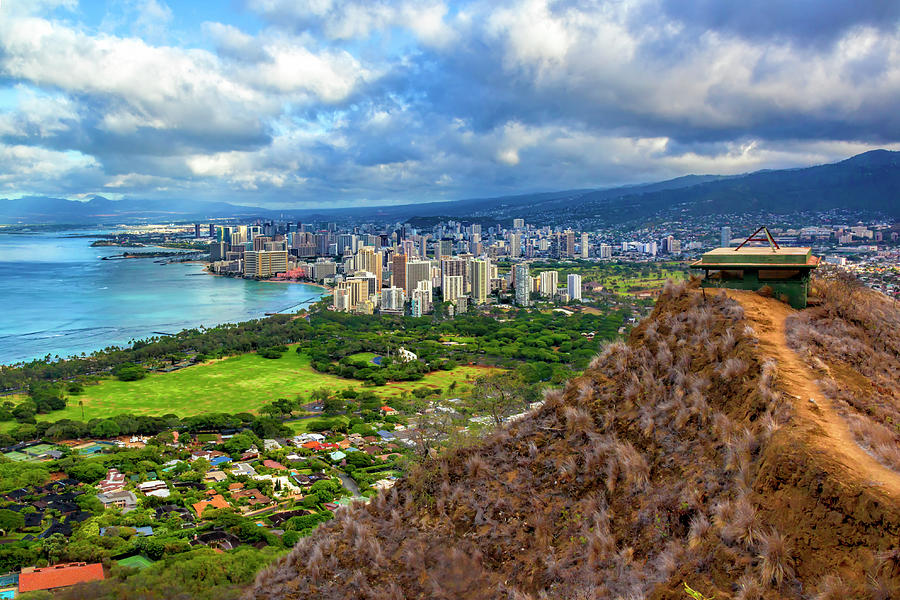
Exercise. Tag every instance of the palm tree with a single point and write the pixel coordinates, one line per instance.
(81, 404)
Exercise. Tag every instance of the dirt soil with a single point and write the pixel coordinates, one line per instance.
(824, 429)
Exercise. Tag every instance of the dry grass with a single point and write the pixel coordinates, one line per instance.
(853, 341)
(634, 475)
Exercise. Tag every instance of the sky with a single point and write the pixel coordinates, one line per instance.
(329, 103)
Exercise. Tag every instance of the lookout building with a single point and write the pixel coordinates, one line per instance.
(785, 270)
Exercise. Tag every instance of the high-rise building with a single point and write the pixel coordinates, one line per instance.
(725, 240)
(321, 270)
(549, 283)
(456, 266)
(367, 259)
(416, 271)
(196, 230)
(515, 245)
(217, 251)
(421, 299)
(346, 243)
(518, 223)
(392, 299)
(573, 286)
(585, 246)
(570, 243)
(481, 280)
(264, 263)
(212, 230)
(605, 251)
(398, 271)
(357, 292)
(452, 287)
(444, 248)
(523, 285)
(342, 299)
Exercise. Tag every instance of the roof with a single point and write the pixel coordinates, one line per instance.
(754, 256)
(57, 576)
(216, 501)
(271, 464)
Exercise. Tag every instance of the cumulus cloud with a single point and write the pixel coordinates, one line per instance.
(372, 101)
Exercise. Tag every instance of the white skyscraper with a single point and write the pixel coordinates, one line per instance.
(515, 245)
(392, 299)
(523, 285)
(605, 251)
(574, 287)
(452, 287)
(549, 283)
(481, 280)
(726, 237)
(585, 246)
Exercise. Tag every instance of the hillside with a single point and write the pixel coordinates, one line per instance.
(868, 182)
(690, 454)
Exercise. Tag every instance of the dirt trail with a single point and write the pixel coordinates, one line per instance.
(831, 437)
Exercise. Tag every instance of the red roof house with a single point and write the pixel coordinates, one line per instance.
(312, 445)
(217, 501)
(114, 481)
(58, 576)
(271, 464)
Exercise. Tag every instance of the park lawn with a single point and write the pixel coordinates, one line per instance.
(364, 356)
(239, 384)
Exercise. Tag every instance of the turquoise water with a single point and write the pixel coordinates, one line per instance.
(58, 298)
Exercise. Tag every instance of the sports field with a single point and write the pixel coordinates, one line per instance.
(238, 384)
(136, 562)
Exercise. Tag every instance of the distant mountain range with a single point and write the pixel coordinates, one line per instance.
(867, 182)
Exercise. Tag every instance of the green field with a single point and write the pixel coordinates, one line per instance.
(136, 562)
(365, 356)
(238, 384)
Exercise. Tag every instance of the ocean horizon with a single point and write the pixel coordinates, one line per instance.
(58, 297)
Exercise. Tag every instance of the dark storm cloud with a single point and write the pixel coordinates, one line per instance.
(802, 21)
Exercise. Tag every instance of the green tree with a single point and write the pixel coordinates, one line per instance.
(10, 521)
(498, 395)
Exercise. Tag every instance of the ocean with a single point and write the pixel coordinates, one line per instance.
(58, 297)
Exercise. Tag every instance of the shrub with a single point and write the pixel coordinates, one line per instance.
(130, 372)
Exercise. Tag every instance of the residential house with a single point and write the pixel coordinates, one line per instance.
(242, 468)
(215, 476)
(124, 499)
(113, 481)
(254, 497)
(33, 579)
(271, 464)
(215, 501)
(156, 488)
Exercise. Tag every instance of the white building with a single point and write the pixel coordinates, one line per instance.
(416, 271)
(481, 280)
(585, 246)
(393, 299)
(264, 263)
(549, 283)
(452, 287)
(574, 287)
(404, 355)
(523, 285)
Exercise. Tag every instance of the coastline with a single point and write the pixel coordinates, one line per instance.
(294, 281)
